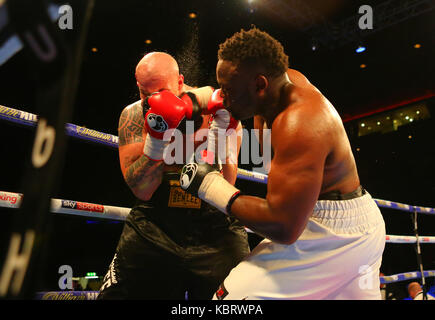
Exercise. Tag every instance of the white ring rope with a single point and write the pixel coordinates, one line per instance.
(92, 210)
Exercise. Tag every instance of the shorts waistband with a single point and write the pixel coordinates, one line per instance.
(348, 216)
(337, 195)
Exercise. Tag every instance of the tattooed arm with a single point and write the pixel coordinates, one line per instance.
(141, 174)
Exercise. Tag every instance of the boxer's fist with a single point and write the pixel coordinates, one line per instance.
(221, 126)
(165, 112)
(193, 112)
(205, 182)
(192, 176)
(221, 117)
(193, 109)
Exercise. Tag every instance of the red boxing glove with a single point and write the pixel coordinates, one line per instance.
(165, 112)
(220, 115)
(221, 126)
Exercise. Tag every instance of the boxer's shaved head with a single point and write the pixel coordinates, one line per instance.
(156, 71)
(413, 289)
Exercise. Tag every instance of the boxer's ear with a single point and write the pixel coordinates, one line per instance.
(180, 83)
(261, 84)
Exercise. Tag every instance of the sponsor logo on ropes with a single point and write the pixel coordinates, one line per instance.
(9, 112)
(95, 134)
(8, 198)
(82, 206)
(72, 295)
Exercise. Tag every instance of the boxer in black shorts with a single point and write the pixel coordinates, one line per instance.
(173, 245)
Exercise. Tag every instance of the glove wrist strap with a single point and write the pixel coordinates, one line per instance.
(154, 148)
(217, 191)
(230, 203)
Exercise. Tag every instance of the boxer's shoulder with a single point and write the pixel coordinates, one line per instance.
(298, 78)
(133, 111)
(306, 111)
(131, 124)
(135, 106)
(304, 103)
(303, 90)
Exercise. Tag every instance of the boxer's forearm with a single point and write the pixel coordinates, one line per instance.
(230, 165)
(144, 176)
(256, 214)
(229, 172)
(141, 174)
(233, 144)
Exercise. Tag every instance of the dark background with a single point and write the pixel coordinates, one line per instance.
(391, 166)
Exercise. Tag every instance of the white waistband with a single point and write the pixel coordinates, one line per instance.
(355, 215)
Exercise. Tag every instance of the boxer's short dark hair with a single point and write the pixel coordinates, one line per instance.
(255, 46)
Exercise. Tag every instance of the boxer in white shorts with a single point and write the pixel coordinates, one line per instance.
(324, 233)
(337, 256)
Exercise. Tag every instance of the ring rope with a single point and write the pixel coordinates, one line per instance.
(75, 131)
(92, 210)
(406, 276)
(30, 120)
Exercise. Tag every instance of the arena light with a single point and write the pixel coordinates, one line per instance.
(360, 49)
(417, 46)
(148, 41)
(91, 275)
(192, 15)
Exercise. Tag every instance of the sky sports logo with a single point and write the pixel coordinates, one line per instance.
(68, 204)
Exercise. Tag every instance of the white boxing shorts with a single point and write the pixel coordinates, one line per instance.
(337, 256)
